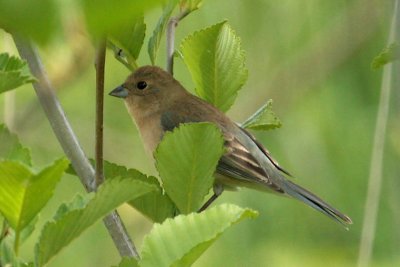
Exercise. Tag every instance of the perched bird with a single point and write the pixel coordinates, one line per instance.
(158, 103)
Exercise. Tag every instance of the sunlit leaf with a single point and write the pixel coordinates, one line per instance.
(155, 39)
(186, 160)
(263, 119)
(69, 225)
(38, 20)
(389, 54)
(11, 149)
(129, 39)
(180, 241)
(23, 194)
(217, 64)
(13, 73)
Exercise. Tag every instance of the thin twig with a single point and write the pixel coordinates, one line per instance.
(69, 142)
(375, 175)
(172, 24)
(99, 65)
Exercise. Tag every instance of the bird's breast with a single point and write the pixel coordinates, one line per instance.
(149, 127)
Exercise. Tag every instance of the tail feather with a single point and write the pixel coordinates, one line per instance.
(312, 200)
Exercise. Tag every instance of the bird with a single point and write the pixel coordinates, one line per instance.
(158, 103)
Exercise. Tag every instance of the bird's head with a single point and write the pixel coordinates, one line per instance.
(147, 83)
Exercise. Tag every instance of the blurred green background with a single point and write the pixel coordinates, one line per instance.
(313, 59)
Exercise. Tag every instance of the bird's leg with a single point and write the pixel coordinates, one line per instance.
(218, 189)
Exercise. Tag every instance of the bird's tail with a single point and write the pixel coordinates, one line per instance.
(312, 200)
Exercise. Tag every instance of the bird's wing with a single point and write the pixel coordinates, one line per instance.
(265, 151)
(239, 163)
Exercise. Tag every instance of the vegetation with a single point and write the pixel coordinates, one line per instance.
(315, 64)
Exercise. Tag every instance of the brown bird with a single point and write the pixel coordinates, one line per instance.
(159, 103)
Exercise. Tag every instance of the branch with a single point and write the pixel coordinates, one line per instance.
(375, 174)
(68, 141)
(172, 24)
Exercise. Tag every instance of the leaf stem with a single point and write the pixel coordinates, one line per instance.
(375, 174)
(69, 142)
(16, 242)
(99, 65)
(4, 230)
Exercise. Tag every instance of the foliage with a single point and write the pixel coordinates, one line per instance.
(155, 39)
(11, 148)
(129, 40)
(389, 54)
(23, 193)
(156, 205)
(39, 20)
(186, 158)
(103, 17)
(170, 243)
(215, 60)
(13, 72)
(72, 220)
(263, 119)
(190, 5)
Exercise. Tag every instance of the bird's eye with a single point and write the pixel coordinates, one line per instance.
(141, 85)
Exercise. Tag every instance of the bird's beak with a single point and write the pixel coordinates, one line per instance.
(120, 91)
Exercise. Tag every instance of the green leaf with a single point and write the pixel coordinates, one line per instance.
(11, 149)
(69, 225)
(217, 64)
(38, 20)
(186, 160)
(389, 54)
(190, 5)
(23, 194)
(130, 41)
(264, 119)
(180, 241)
(7, 254)
(104, 16)
(13, 72)
(128, 262)
(78, 202)
(155, 39)
(155, 205)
